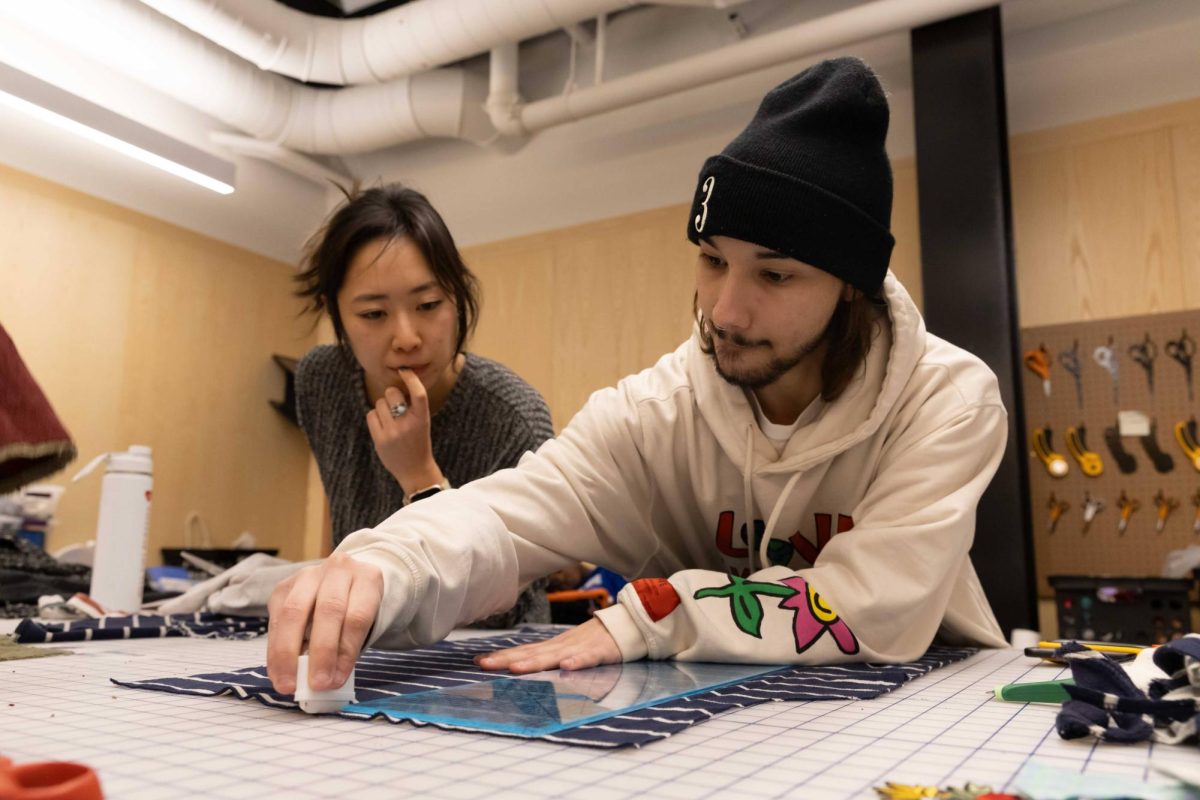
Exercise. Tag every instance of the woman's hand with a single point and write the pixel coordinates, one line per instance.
(587, 645)
(403, 443)
(334, 604)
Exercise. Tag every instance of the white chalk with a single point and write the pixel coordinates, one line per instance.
(314, 702)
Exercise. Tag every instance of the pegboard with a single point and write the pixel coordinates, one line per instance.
(1102, 549)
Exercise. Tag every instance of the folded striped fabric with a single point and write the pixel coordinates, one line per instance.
(1107, 705)
(141, 626)
(382, 673)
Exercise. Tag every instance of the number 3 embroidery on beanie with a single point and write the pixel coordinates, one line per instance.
(702, 217)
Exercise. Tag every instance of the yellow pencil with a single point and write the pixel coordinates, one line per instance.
(1101, 647)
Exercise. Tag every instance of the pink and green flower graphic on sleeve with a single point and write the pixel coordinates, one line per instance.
(814, 617)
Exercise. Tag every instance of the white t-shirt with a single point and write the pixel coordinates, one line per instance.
(780, 434)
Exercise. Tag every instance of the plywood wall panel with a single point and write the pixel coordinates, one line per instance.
(1046, 262)
(577, 309)
(1185, 150)
(1107, 217)
(516, 322)
(141, 332)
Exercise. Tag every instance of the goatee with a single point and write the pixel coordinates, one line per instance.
(770, 372)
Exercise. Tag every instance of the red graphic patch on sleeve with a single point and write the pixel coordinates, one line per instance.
(658, 597)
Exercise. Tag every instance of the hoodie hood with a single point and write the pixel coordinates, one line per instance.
(897, 347)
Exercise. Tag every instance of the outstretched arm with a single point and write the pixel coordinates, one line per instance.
(877, 593)
(465, 553)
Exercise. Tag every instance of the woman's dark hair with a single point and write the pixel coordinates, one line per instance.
(388, 212)
(848, 339)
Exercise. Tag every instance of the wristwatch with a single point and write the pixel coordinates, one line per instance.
(427, 492)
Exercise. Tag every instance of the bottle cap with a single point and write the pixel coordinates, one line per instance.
(136, 459)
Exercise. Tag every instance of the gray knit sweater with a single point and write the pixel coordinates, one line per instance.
(490, 418)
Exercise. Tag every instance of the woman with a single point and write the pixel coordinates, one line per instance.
(397, 410)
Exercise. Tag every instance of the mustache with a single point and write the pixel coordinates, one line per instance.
(735, 338)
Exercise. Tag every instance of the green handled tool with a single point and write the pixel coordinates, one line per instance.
(1037, 692)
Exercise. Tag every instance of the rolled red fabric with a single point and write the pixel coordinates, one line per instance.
(33, 443)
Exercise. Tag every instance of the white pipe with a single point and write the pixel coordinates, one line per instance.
(163, 55)
(857, 24)
(700, 3)
(579, 34)
(415, 37)
(601, 45)
(301, 165)
(504, 96)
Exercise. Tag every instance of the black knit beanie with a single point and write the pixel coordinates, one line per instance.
(808, 177)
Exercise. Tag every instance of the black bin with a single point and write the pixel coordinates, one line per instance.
(1122, 609)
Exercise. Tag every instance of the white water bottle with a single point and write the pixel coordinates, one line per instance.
(117, 571)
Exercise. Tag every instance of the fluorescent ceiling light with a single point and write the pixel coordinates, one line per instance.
(48, 103)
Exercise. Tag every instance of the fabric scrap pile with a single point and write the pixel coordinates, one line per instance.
(1106, 704)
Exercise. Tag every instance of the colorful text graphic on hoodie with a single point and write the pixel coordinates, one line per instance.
(851, 544)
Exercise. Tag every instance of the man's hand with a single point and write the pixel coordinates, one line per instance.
(333, 605)
(403, 443)
(587, 645)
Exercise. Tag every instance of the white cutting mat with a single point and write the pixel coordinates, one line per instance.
(940, 729)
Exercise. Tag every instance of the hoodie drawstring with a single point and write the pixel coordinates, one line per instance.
(775, 514)
(748, 496)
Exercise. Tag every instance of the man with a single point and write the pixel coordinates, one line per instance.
(795, 483)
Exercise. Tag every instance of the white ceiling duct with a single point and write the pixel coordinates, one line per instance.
(412, 38)
(447, 103)
(823, 34)
(165, 56)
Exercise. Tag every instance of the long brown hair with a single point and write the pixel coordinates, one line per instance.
(387, 212)
(847, 337)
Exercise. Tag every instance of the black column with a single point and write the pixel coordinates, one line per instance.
(967, 268)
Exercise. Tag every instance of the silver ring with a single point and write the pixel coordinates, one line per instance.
(398, 410)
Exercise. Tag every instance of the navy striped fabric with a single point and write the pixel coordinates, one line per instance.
(381, 674)
(142, 626)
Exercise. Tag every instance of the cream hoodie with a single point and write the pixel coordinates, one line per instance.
(863, 522)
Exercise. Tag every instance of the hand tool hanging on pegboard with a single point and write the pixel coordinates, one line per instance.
(1182, 350)
(1196, 505)
(1163, 506)
(1144, 353)
(1162, 461)
(1125, 508)
(1090, 462)
(1038, 362)
(1125, 462)
(1057, 509)
(1069, 359)
(1091, 507)
(1185, 434)
(1106, 357)
(1055, 463)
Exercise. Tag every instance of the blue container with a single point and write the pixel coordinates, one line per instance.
(36, 537)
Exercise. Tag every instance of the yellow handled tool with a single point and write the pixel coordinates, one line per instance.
(1089, 462)
(1054, 462)
(1196, 503)
(1185, 434)
(1163, 507)
(1126, 506)
(1057, 509)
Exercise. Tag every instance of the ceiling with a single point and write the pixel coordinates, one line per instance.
(1065, 60)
